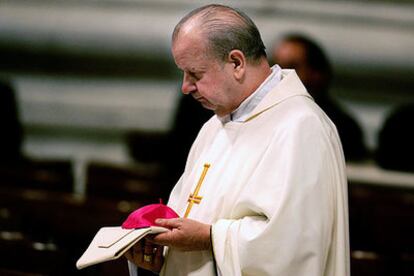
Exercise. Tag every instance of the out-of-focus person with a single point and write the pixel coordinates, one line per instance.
(11, 137)
(299, 52)
(395, 149)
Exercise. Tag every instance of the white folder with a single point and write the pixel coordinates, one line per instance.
(112, 242)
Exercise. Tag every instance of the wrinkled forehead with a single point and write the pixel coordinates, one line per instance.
(190, 29)
(190, 41)
(188, 51)
(187, 43)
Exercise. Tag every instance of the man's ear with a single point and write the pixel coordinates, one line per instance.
(238, 61)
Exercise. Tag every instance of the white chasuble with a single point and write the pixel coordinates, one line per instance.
(274, 191)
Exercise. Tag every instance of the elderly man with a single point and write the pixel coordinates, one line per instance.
(264, 188)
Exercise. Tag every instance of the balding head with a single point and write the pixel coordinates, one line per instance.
(221, 55)
(224, 29)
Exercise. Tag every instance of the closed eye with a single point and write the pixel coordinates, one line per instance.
(196, 75)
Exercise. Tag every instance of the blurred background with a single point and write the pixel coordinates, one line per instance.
(91, 107)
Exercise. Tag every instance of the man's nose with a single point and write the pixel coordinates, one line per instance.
(188, 85)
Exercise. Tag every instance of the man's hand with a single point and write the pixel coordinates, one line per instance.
(147, 255)
(185, 234)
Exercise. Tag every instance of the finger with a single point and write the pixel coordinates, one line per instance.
(159, 251)
(148, 255)
(129, 255)
(138, 248)
(150, 238)
(163, 238)
(159, 256)
(169, 223)
(148, 248)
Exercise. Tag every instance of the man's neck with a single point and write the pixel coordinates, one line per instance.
(248, 104)
(259, 73)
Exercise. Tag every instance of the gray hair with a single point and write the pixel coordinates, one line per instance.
(226, 29)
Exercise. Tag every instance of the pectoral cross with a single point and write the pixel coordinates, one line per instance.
(194, 197)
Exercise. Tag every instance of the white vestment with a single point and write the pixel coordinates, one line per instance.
(275, 192)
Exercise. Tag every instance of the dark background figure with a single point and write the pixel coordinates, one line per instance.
(170, 149)
(11, 137)
(296, 51)
(395, 149)
(188, 120)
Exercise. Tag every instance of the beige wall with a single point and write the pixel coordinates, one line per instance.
(89, 71)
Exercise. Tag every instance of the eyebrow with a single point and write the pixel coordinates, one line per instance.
(200, 69)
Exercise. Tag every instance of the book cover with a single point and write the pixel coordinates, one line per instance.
(112, 242)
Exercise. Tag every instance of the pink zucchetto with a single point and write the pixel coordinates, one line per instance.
(146, 216)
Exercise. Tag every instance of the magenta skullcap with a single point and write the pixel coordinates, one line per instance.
(146, 216)
(112, 242)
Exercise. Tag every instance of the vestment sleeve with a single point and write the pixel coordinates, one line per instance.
(285, 216)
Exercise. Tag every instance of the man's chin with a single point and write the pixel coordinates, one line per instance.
(207, 105)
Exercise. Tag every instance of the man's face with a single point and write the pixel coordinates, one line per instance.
(291, 55)
(205, 78)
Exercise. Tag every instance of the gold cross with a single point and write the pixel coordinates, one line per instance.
(194, 197)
